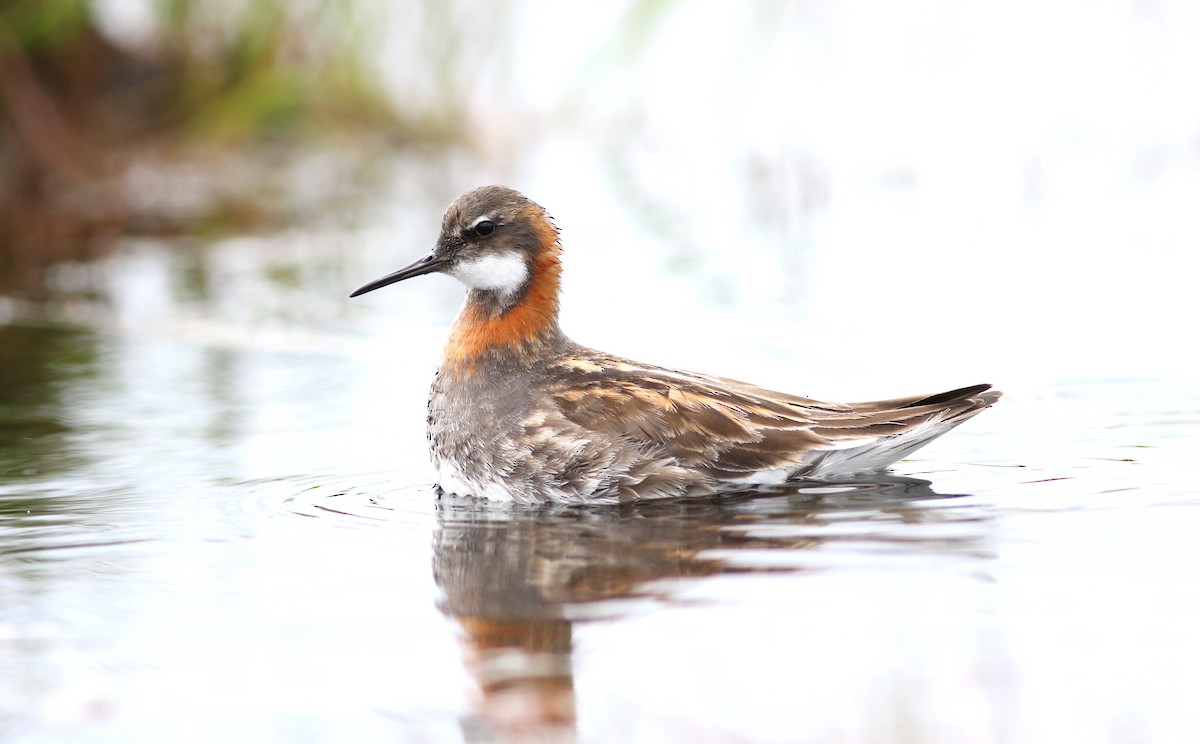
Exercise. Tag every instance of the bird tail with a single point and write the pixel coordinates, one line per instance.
(881, 432)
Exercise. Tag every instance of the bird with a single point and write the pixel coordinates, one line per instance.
(519, 412)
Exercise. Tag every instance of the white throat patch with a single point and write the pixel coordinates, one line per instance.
(503, 273)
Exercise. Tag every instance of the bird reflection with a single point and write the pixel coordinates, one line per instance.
(517, 578)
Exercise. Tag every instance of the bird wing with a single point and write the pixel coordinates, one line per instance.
(728, 428)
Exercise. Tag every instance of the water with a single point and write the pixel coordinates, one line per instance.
(215, 514)
(204, 538)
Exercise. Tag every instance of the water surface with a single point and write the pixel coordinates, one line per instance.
(204, 541)
(215, 515)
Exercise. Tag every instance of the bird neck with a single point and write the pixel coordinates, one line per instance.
(490, 323)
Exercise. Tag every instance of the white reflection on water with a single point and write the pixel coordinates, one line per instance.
(306, 605)
(1002, 185)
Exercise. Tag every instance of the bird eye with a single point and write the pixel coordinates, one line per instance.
(485, 228)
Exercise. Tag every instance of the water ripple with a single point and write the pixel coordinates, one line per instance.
(345, 500)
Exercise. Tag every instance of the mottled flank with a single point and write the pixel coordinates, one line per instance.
(520, 412)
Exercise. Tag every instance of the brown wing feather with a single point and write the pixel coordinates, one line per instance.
(726, 427)
(702, 422)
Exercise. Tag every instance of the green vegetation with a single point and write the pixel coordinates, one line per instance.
(82, 106)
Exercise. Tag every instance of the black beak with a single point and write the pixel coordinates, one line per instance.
(426, 265)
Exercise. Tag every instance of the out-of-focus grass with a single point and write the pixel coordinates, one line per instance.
(86, 101)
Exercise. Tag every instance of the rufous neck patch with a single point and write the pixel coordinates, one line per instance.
(534, 315)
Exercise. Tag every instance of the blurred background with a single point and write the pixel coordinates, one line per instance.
(848, 200)
(1010, 188)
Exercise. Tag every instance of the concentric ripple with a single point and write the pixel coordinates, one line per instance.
(348, 500)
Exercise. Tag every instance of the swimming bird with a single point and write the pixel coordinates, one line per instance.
(519, 412)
